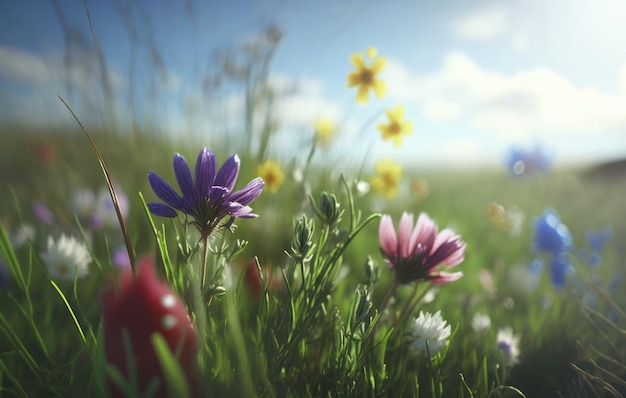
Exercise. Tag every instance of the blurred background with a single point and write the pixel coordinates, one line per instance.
(476, 78)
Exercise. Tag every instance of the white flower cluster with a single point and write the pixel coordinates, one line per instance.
(432, 329)
(66, 257)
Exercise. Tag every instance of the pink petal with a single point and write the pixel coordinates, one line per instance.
(439, 278)
(404, 234)
(456, 257)
(387, 237)
(424, 233)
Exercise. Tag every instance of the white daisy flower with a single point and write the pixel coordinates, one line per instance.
(508, 344)
(431, 328)
(66, 257)
(480, 322)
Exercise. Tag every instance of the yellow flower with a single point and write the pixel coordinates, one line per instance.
(324, 131)
(498, 217)
(396, 127)
(420, 188)
(365, 76)
(272, 175)
(388, 179)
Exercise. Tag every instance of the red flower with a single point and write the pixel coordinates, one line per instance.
(142, 306)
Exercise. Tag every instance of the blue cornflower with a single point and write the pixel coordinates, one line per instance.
(598, 239)
(523, 162)
(560, 268)
(551, 235)
(210, 198)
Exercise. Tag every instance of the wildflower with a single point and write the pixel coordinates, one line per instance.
(388, 179)
(362, 187)
(44, 152)
(525, 278)
(24, 233)
(83, 202)
(324, 131)
(432, 330)
(596, 240)
(211, 198)
(66, 258)
(521, 162)
(420, 189)
(272, 175)
(105, 213)
(396, 127)
(416, 253)
(120, 258)
(365, 77)
(43, 213)
(508, 344)
(560, 267)
(480, 322)
(551, 235)
(497, 216)
(140, 307)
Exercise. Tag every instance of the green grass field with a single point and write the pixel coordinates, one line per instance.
(321, 334)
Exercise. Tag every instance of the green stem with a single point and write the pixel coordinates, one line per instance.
(205, 259)
(383, 305)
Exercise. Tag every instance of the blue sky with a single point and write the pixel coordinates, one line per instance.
(475, 77)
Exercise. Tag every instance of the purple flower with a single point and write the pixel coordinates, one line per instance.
(120, 258)
(43, 213)
(416, 253)
(210, 198)
(551, 235)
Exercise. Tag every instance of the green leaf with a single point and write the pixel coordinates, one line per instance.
(176, 381)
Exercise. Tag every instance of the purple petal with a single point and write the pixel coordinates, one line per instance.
(227, 175)
(237, 210)
(164, 191)
(450, 253)
(183, 176)
(248, 193)
(205, 172)
(216, 194)
(159, 209)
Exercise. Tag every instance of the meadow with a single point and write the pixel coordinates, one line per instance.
(137, 264)
(328, 337)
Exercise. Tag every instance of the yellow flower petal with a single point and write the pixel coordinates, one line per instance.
(380, 89)
(363, 95)
(357, 61)
(354, 79)
(371, 52)
(379, 65)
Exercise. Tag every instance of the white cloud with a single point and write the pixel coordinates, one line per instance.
(465, 152)
(483, 24)
(531, 102)
(19, 65)
(441, 110)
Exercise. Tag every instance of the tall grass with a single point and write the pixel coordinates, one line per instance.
(315, 327)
